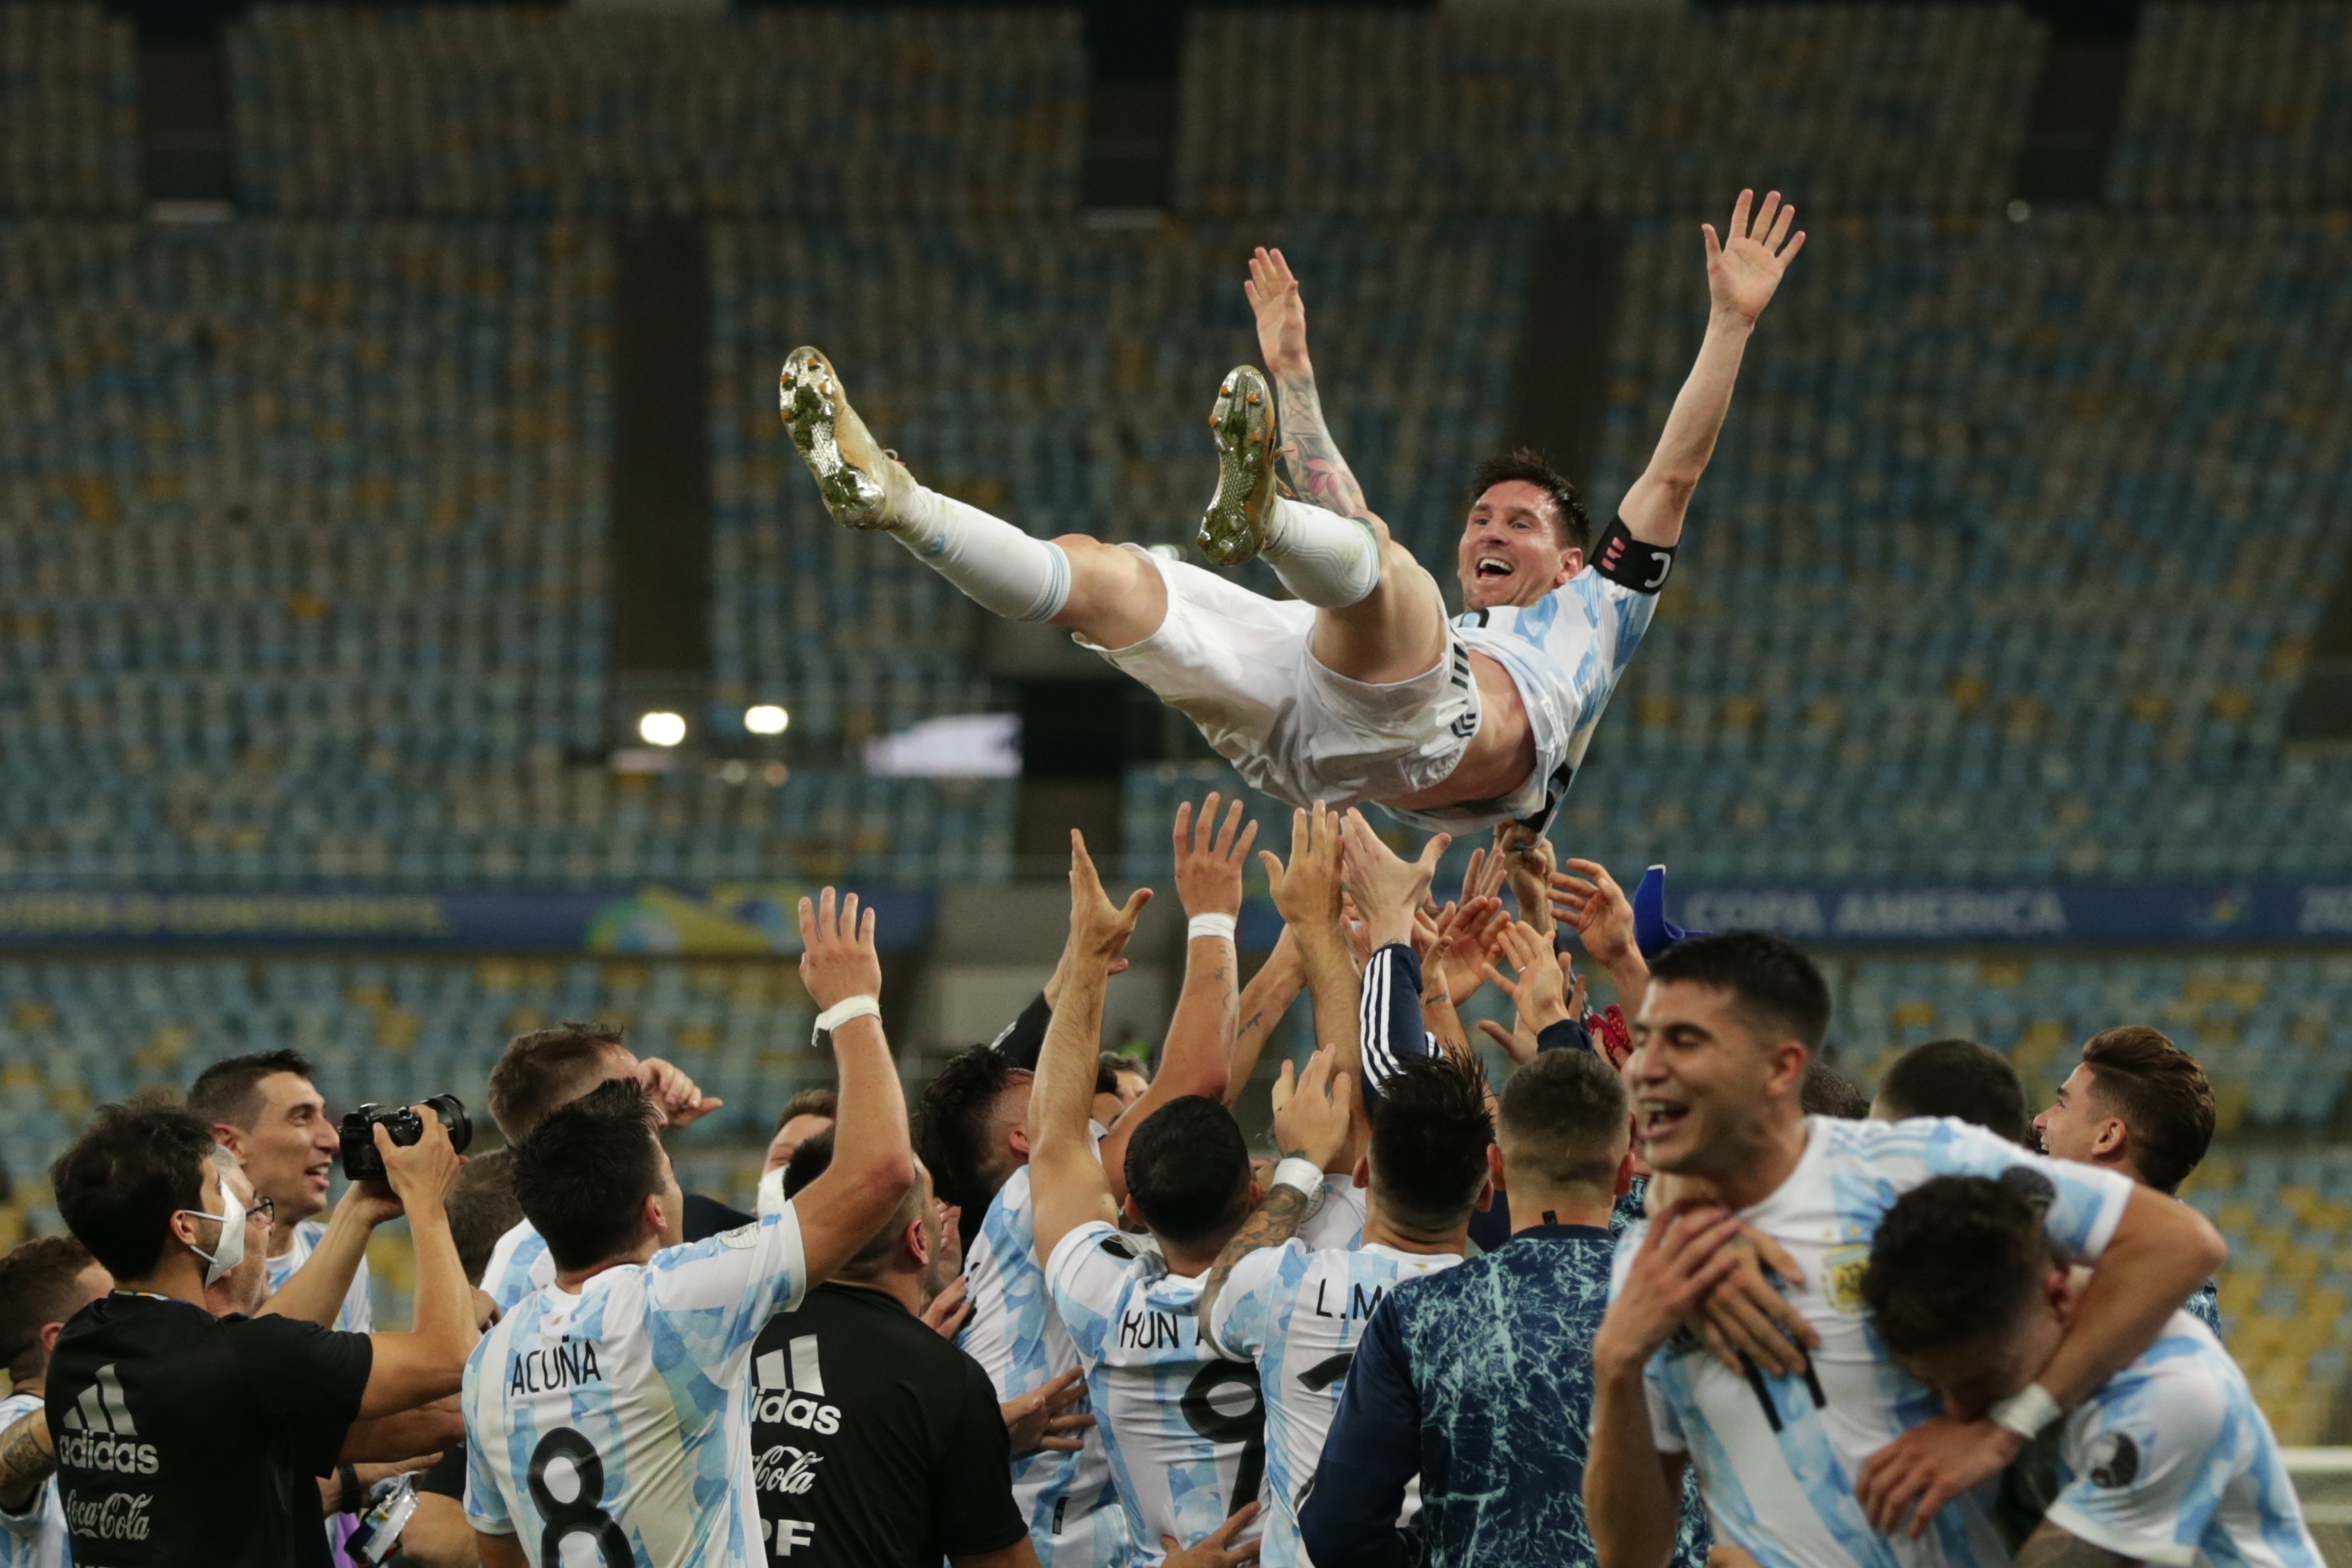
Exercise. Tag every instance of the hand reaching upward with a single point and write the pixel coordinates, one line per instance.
(1741, 276)
(1281, 314)
(1098, 928)
(1209, 858)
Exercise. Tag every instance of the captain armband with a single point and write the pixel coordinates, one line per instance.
(1625, 560)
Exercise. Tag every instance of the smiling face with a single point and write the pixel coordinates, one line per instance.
(2078, 1126)
(1512, 550)
(1706, 1090)
(290, 1151)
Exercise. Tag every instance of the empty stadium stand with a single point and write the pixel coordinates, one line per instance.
(2237, 108)
(68, 135)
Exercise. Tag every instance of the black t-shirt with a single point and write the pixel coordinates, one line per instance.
(875, 1443)
(707, 1217)
(184, 1439)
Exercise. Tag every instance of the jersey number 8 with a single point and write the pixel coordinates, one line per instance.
(584, 1514)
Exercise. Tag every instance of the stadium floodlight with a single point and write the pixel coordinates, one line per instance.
(662, 729)
(765, 718)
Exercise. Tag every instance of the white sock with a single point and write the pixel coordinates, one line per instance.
(1330, 560)
(1001, 568)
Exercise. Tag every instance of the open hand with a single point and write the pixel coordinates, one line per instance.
(1684, 1255)
(1216, 1549)
(1745, 1316)
(1387, 887)
(1469, 935)
(1596, 909)
(838, 960)
(1281, 314)
(1928, 1467)
(1307, 890)
(1741, 276)
(1312, 1122)
(1209, 858)
(1100, 929)
(1039, 1421)
(950, 1310)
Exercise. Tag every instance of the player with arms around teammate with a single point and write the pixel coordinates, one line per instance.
(609, 1412)
(2169, 1460)
(1183, 1428)
(1726, 1028)
(1359, 688)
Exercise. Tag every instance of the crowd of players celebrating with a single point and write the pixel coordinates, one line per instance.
(1672, 1294)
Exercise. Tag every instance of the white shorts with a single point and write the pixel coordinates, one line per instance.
(1238, 665)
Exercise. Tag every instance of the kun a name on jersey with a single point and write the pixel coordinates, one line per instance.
(1150, 1330)
(567, 1364)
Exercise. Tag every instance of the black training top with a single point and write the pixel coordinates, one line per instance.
(876, 1443)
(184, 1439)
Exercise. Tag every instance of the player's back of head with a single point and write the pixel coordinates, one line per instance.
(1430, 1137)
(1777, 993)
(1958, 1079)
(1188, 1172)
(230, 1089)
(482, 1208)
(1829, 1092)
(1954, 1262)
(38, 1287)
(545, 1067)
(1565, 1123)
(811, 1160)
(2162, 1096)
(118, 1184)
(955, 1129)
(582, 1176)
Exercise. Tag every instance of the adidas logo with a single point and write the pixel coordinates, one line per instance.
(100, 1434)
(790, 1389)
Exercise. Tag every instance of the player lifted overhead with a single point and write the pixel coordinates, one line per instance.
(1359, 688)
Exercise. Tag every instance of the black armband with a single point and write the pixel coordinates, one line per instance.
(1624, 558)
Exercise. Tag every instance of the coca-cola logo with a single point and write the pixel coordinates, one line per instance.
(786, 1470)
(117, 1516)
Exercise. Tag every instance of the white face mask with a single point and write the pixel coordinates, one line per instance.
(223, 1259)
(772, 1192)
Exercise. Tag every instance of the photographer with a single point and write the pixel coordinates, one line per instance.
(186, 1438)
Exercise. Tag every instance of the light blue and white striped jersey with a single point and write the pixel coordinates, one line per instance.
(1297, 1313)
(357, 1314)
(1074, 1517)
(519, 1266)
(2170, 1461)
(1763, 1442)
(1185, 1429)
(614, 1425)
(1565, 652)
(37, 1537)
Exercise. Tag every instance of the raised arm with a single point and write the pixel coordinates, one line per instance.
(1309, 455)
(1602, 917)
(1198, 1053)
(315, 1293)
(26, 1459)
(1741, 278)
(1266, 1001)
(1067, 1181)
(427, 1363)
(873, 1161)
(1306, 891)
(1311, 1126)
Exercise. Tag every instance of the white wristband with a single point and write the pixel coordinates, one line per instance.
(841, 1013)
(1305, 1175)
(1209, 925)
(2026, 1412)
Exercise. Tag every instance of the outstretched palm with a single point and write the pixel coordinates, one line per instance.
(1281, 315)
(1742, 275)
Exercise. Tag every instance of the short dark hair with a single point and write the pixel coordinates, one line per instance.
(2162, 1096)
(1958, 1079)
(811, 1160)
(118, 1184)
(482, 1207)
(1188, 1170)
(1775, 988)
(1953, 1261)
(1829, 1092)
(1429, 1136)
(583, 1173)
(818, 1100)
(37, 1289)
(1110, 1064)
(1528, 465)
(230, 1089)
(1565, 1116)
(952, 1126)
(540, 1070)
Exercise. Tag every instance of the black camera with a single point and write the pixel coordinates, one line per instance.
(363, 1162)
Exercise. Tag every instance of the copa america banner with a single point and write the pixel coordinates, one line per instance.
(741, 921)
(2098, 914)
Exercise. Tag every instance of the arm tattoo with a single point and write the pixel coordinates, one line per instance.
(1311, 457)
(2051, 1547)
(25, 1458)
(1275, 1222)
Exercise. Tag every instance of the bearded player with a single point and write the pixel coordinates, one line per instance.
(1358, 688)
